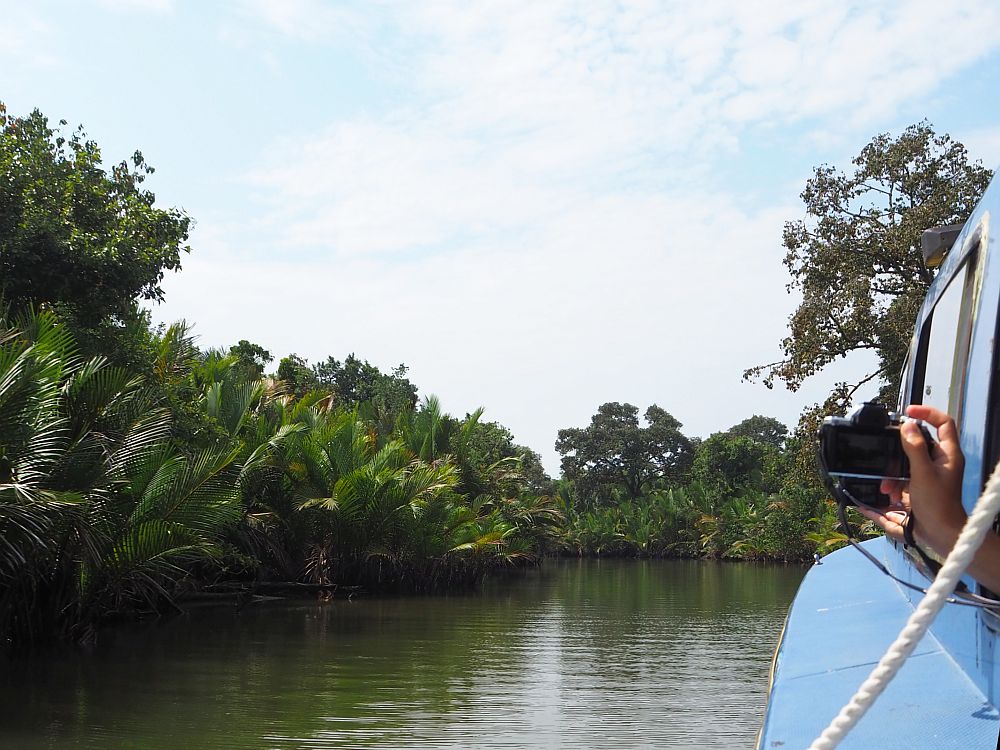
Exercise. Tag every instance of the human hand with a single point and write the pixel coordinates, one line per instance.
(892, 521)
(934, 491)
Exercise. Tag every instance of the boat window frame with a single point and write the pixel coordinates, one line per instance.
(969, 274)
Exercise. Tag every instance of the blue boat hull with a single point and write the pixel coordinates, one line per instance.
(843, 619)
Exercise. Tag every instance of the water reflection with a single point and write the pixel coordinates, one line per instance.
(580, 654)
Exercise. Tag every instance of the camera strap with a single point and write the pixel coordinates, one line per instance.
(844, 498)
(911, 522)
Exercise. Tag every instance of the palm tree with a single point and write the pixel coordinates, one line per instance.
(98, 512)
(35, 357)
(429, 433)
(361, 497)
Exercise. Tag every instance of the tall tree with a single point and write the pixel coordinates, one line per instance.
(762, 429)
(74, 236)
(354, 380)
(856, 257)
(295, 372)
(728, 464)
(251, 359)
(616, 452)
(489, 443)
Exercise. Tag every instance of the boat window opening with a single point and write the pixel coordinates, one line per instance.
(948, 334)
(904, 387)
(991, 449)
(941, 361)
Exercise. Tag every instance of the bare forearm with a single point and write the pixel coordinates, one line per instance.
(985, 566)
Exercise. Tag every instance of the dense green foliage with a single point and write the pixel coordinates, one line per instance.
(78, 239)
(104, 510)
(737, 495)
(616, 451)
(137, 469)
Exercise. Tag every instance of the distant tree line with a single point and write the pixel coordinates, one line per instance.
(138, 470)
(753, 491)
(648, 490)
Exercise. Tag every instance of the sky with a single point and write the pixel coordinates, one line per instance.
(538, 207)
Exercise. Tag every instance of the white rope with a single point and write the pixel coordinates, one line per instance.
(973, 533)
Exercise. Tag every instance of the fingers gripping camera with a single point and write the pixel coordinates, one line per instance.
(865, 445)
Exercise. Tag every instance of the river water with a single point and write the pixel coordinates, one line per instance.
(579, 654)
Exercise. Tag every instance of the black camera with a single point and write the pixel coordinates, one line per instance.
(864, 445)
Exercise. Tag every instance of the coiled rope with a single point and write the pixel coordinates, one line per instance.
(973, 533)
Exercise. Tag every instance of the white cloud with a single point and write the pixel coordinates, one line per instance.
(544, 233)
(657, 299)
(530, 99)
(310, 19)
(772, 60)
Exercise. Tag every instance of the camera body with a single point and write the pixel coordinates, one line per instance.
(865, 445)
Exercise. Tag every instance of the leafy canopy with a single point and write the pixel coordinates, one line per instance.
(766, 430)
(490, 443)
(856, 259)
(729, 464)
(251, 359)
(615, 452)
(354, 380)
(74, 236)
(295, 372)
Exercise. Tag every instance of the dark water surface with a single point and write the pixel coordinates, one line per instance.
(581, 654)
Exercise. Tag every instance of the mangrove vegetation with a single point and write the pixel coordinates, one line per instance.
(138, 470)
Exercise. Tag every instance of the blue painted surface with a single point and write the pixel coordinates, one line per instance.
(844, 617)
(847, 612)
